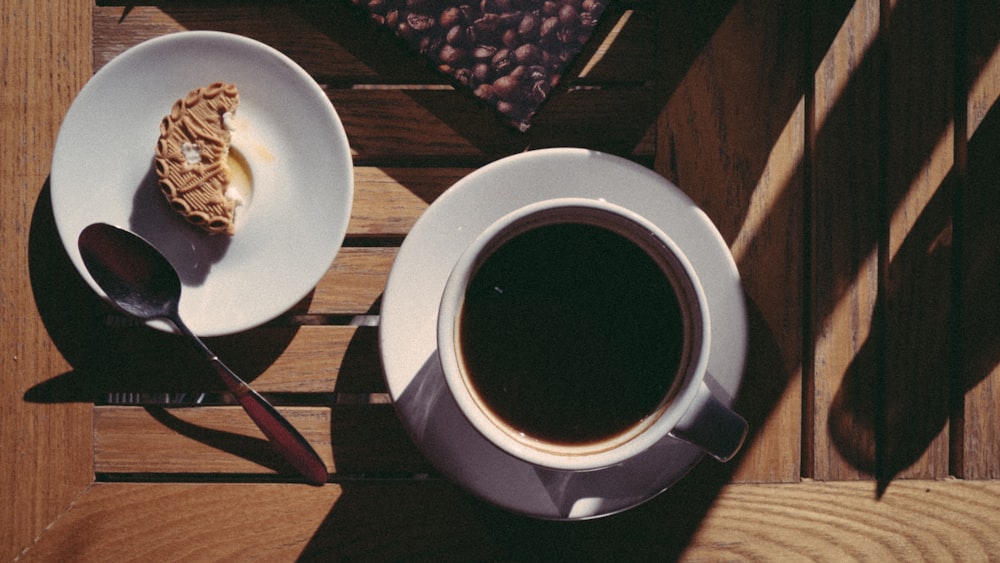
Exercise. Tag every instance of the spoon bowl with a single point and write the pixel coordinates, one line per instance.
(135, 276)
(142, 283)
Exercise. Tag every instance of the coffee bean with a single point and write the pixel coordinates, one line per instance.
(452, 56)
(548, 28)
(457, 36)
(487, 24)
(486, 92)
(450, 17)
(503, 61)
(464, 76)
(420, 22)
(569, 16)
(482, 72)
(529, 26)
(392, 18)
(508, 52)
(484, 52)
(507, 88)
(510, 38)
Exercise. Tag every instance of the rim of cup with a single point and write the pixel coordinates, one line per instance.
(676, 267)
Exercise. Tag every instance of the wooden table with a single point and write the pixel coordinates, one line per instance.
(849, 154)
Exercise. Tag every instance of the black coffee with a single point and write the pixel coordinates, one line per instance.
(571, 333)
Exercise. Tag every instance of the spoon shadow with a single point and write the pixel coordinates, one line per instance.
(256, 450)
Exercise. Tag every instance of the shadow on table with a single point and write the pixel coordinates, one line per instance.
(944, 297)
(110, 353)
(612, 107)
(750, 82)
(436, 521)
(112, 356)
(398, 108)
(391, 518)
(721, 164)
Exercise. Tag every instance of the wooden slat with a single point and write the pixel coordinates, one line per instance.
(255, 522)
(354, 283)
(621, 45)
(286, 360)
(335, 40)
(353, 441)
(732, 136)
(306, 359)
(117, 28)
(810, 521)
(981, 56)
(844, 236)
(387, 201)
(917, 253)
(448, 127)
(118, 355)
(44, 456)
(978, 434)
(391, 124)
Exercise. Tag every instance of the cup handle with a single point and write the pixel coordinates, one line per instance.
(712, 426)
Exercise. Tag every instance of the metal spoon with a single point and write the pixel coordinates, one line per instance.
(143, 284)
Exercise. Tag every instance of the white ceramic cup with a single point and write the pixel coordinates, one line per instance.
(689, 410)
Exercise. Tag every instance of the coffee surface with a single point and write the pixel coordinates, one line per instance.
(571, 333)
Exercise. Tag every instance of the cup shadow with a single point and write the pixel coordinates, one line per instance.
(659, 528)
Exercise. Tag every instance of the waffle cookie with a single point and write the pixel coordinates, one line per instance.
(191, 158)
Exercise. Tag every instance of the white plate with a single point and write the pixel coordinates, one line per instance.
(287, 131)
(409, 319)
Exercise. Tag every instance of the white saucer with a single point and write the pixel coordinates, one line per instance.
(287, 131)
(409, 318)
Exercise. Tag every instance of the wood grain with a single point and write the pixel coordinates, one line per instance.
(978, 432)
(847, 153)
(979, 53)
(916, 259)
(44, 453)
(285, 359)
(844, 228)
(813, 521)
(359, 52)
(929, 520)
(116, 28)
(313, 359)
(353, 441)
(388, 200)
(731, 136)
(354, 282)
